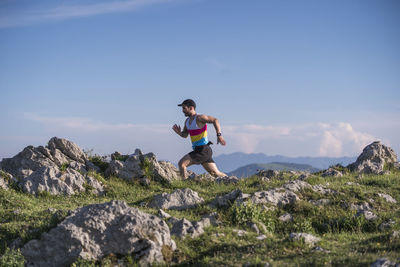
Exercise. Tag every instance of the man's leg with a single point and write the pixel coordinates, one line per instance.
(212, 169)
(185, 162)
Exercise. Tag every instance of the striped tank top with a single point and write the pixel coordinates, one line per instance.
(197, 135)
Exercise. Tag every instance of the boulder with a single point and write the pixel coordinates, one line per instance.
(180, 199)
(226, 200)
(307, 238)
(287, 217)
(95, 231)
(227, 179)
(133, 167)
(183, 227)
(55, 181)
(277, 197)
(374, 158)
(332, 172)
(59, 168)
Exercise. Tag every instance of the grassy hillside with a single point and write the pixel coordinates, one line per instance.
(346, 239)
(252, 169)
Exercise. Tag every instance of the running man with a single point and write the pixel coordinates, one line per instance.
(196, 127)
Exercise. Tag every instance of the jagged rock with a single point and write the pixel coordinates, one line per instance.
(226, 200)
(180, 199)
(268, 173)
(296, 185)
(359, 207)
(144, 181)
(324, 191)
(201, 177)
(4, 180)
(162, 214)
(97, 230)
(332, 172)
(55, 181)
(387, 197)
(227, 179)
(308, 238)
(59, 168)
(286, 217)
(131, 168)
(277, 197)
(183, 227)
(384, 262)
(373, 159)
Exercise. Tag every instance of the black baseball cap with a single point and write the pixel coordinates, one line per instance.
(188, 103)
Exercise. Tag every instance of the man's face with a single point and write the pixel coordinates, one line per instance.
(186, 110)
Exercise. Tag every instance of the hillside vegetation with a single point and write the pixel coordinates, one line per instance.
(345, 239)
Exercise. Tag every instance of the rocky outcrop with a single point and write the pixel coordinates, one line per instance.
(374, 158)
(332, 172)
(137, 165)
(183, 227)
(4, 180)
(55, 181)
(95, 231)
(59, 168)
(226, 200)
(270, 174)
(180, 199)
(227, 180)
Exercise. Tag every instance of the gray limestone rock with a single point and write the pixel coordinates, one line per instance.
(227, 179)
(97, 230)
(332, 172)
(4, 180)
(296, 185)
(132, 168)
(184, 228)
(180, 199)
(163, 215)
(320, 202)
(277, 197)
(307, 238)
(368, 215)
(373, 159)
(226, 200)
(55, 181)
(387, 197)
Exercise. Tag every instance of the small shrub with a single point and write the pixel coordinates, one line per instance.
(147, 167)
(12, 258)
(99, 162)
(248, 212)
(64, 167)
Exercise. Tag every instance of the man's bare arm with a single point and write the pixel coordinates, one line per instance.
(203, 119)
(183, 133)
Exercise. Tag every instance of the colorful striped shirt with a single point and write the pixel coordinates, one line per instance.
(197, 135)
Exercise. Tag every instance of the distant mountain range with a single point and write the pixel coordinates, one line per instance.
(230, 162)
(252, 169)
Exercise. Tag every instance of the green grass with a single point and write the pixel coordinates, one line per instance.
(350, 240)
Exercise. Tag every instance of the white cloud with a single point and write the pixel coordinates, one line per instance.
(70, 11)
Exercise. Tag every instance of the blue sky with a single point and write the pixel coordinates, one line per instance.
(296, 78)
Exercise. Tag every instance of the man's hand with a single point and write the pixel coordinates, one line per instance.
(177, 129)
(221, 140)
